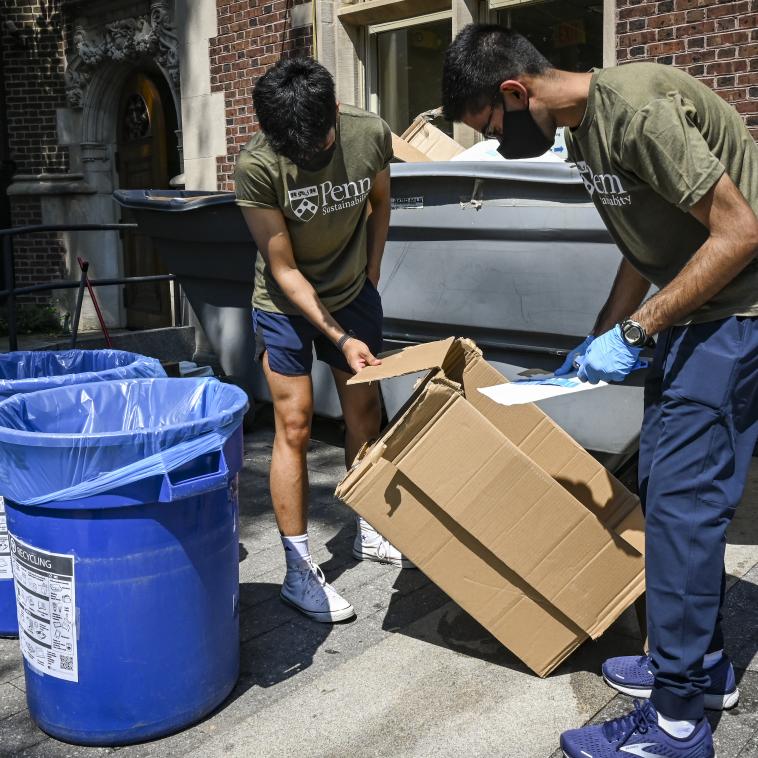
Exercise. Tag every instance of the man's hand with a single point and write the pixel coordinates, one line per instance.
(575, 355)
(608, 358)
(358, 355)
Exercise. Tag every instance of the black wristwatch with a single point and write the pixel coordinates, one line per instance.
(633, 333)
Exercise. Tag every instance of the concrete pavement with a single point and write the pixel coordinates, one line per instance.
(414, 675)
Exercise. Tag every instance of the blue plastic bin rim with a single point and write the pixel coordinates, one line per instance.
(52, 368)
(234, 396)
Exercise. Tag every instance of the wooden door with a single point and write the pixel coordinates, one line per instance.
(143, 164)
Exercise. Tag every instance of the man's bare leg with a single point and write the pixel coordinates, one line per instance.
(292, 397)
(362, 411)
(304, 585)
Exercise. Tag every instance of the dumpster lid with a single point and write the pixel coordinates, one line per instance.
(518, 171)
(171, 200)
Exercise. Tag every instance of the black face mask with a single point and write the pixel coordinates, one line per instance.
(522, 137)
(320, 160)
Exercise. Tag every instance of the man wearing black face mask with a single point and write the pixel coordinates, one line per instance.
(673, 172)
(313, 187)
(500, 107)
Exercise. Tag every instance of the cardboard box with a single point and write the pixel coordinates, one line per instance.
(499, 507)
(407, 153)
(429, 140)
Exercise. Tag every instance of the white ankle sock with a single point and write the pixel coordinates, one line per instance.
(296, 550)
(364, 526)
(680, 729)
(711, 659)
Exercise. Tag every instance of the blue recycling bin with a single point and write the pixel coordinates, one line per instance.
(26, 371)
(123, 522)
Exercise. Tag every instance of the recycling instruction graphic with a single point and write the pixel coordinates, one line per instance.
(46, 604)
(6, 571)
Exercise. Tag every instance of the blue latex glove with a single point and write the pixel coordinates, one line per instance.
(568, 366)
(608, 358)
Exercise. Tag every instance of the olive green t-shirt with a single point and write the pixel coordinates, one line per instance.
(325, 210)
(652, 143)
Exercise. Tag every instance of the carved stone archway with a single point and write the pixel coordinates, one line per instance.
(106, 49)
(103, 57)
(123, 40)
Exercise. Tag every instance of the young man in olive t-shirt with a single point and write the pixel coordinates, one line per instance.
(673, 172)
(313, 186)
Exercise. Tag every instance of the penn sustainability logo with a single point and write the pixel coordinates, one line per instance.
(607, 187)
(304, 202)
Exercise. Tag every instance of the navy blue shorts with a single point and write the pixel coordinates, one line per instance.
(289, 340)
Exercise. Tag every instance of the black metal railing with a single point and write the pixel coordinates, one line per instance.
(10, 293)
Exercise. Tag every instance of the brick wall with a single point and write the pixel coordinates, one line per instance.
(34, 84)
(32, 49)
(39, 258)
(252, 35)
(713, 40)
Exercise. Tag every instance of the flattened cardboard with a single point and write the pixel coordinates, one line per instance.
(500, 508)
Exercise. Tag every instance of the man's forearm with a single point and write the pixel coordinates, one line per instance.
(269, 230)
(712, 267)
(301, 294)
(731, 245)
(629, 289)
(377, 228)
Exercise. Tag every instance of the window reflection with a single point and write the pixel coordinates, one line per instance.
(409, 72)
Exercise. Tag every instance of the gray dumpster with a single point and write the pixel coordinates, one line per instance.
(511, 254)
(203, 240)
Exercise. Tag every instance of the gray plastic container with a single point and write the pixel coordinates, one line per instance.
(512, 255)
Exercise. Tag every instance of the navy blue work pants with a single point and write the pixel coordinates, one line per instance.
(698, 435)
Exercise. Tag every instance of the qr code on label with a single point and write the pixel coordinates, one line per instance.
(67, 663)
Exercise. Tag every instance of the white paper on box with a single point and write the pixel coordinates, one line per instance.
(518, 393)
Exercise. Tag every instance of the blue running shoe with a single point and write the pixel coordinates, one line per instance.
(637, 736)
(633, 675)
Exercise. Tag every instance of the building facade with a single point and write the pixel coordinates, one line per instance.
(107, 94)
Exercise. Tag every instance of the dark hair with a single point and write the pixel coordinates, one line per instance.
(296, 107)
(479, 59)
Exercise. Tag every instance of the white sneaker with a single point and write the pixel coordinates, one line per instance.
(369, 545)
(307, 590)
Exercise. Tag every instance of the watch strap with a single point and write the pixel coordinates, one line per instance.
(343, 339)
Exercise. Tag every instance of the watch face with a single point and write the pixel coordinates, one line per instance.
(633, 334)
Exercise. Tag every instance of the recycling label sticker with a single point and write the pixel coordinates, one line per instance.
(6, 570)
(407, 203)
(46, 605)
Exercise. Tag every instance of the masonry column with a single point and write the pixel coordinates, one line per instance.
(203, 111)
(203, 120)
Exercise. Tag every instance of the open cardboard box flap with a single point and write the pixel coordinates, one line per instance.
(409, 360)
(407, 153)
(500, 507)
(422, 141)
